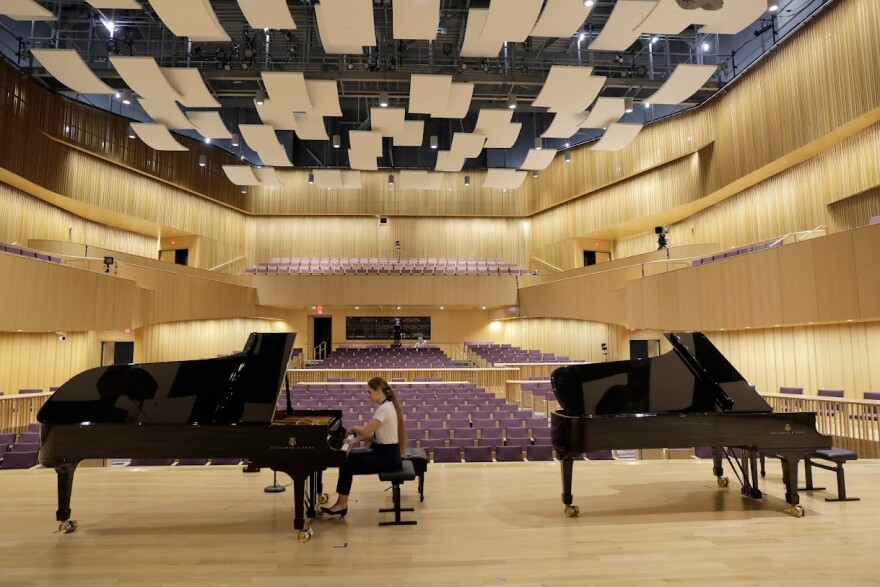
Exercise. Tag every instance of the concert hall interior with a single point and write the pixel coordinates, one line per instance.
(578, 197)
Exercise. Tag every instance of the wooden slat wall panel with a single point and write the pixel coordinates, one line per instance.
(40, 360)
(575, 339)
(852, 212)
(362, 237)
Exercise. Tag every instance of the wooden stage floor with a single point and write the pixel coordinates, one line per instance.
(641, 523)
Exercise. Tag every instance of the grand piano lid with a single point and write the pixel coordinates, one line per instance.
(241, 388)
(693, 378)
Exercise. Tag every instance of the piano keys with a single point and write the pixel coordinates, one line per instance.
(208, 408)
(691, 396)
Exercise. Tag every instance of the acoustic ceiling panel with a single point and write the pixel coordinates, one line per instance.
(621, 29)
(618, 136)
(467, 145)
(564, 125)
(324, 97)
(416, 19)
(682, 84)
(67, 67)
(267, 14)
(144, 76)
(561, 18)
(420, 180)
(116, 4)
(538, 159)
(346, 24)
(351, 180)
(604, 112)
(412, 136)
(668, 18)
(475, 45)
(157, 136)
(497, 127)
(24, 10)
(362, 161)
(459, 101)
(328, 178)
(449, 161)
(194, 19)
(505, 138)
(241, 174)
(387, 121)
(509, 179)
(267, 176)
(209, 124)
(310, 127)
(366, 142)
(734, 17)
(569, 89)
(429, 93)
(166, 112)
(511, 20)
(288, 89)
(263, 140)
(189, 84)
(277, 115)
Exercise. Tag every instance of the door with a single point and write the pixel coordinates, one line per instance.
(117, 353)
(322, 332)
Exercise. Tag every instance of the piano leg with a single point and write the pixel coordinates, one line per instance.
(790, 464)
(64, 473)
(750, 475)
(567, 463)
(299, 478)
(718, 465)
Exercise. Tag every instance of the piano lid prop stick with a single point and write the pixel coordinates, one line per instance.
(289, 409)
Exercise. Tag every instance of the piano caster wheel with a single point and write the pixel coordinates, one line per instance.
(723, 481)
(323, 498)
(797, 511)
(304, 536)
(571, 511)
(67, 527)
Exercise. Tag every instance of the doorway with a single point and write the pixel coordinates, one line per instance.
(116, 353)
(322, 334)
(644, 349)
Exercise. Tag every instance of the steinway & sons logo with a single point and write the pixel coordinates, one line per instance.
(292, 441)
(292, 445)
(787, 431)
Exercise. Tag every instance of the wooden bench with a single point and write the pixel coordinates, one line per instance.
(397, 478)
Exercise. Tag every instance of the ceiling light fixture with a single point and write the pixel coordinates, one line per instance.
(589, 3)
(391, 180)
(126, 96)
(627, 105)
(535, 174)
(511, 101)
(203, 160)
(467, 181)
(435, 142)
(236, 139)
(131, 133)
(539, 144)
(383, 99)
(772, 5)
(654, 39)
(260, 98)
(311, 179)
(706, 47)
(568, 156)
(337, 141)
(243, 190)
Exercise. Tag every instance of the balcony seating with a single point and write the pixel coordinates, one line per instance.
(495, 354)
(28, 253)
(383, 357)
(384, 266)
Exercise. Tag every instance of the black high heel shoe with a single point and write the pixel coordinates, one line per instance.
(341, 513)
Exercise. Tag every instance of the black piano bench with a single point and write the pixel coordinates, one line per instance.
(396, 478)
(420, 464)
(838, 456)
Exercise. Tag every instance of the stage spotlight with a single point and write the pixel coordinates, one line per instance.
(511, 101)
(260, 98)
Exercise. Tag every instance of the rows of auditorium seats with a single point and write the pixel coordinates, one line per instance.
(450, 421)
(384, 357)
(29, 253)
(384, 266)
(737, 252)
(505, 353)
(871, 413)
(33, 390)
(19, 451)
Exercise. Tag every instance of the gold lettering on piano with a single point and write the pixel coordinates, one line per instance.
(787, 431)
(292, 441)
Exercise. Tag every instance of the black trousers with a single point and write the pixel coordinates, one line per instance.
(378, 459)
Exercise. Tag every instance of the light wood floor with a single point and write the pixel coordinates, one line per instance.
(641, 523)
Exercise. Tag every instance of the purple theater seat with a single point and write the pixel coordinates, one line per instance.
(539, 452)
(25, 447)
(493, 433)
(6, 440)
(151, 462)
(516, 435)
(792, 390)
(34, 427)
(541, 434)
(26, 391)
(191, 462)
(830, 393)
(704, 452)
(29, 437)
(600, 455)
(509, 453)
(19, 460)
(432, 443)
(477, 454)
(226, 461)
(874, 220)
(468, 433)
(437, 433)
(447, 455)
(462, 442)
(490, 442)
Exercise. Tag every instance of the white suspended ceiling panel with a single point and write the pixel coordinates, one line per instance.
(467, 145)
(682, 84)
(324, 97)
(346, 25)
(67, 67)
(189, 84)
(241, 174)
(267, 14)
(498, 129)
(449, 161)
(734, 17)
(337, 178)
(194, 19)
(509, 179)
(538, 159)
(24, 10)
(267, 176)
(166, 112)
(420, 180)
(438, 96)
(604, 112)
(474, 45)
(413, 134)
(209, 124)
(146, 79)
(561, 18)
(459, 101)
(511, 20)
(569, 89)
(564, 125)
(310, 127)
(416, 19)
(115, 4)
(287, 89)
(617, 137)
(387, 121)
(621, 30)
(667, 18)
(157, 136)
(364, 141)
(277, 114)
(362, 161)
(263, 140)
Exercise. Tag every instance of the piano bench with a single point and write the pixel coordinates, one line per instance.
(420, 464)
(397, 478)
(835, 455)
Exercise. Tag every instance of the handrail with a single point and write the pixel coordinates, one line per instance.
(547, 264)
(809, 232)
(227, 263)
(320, 352)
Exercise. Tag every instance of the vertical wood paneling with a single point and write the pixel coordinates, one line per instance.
(40, 360)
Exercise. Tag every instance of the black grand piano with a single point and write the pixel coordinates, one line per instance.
(209, 408)
(691, 396)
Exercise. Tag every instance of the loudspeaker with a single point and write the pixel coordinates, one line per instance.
(658, 230)
(383, 221)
